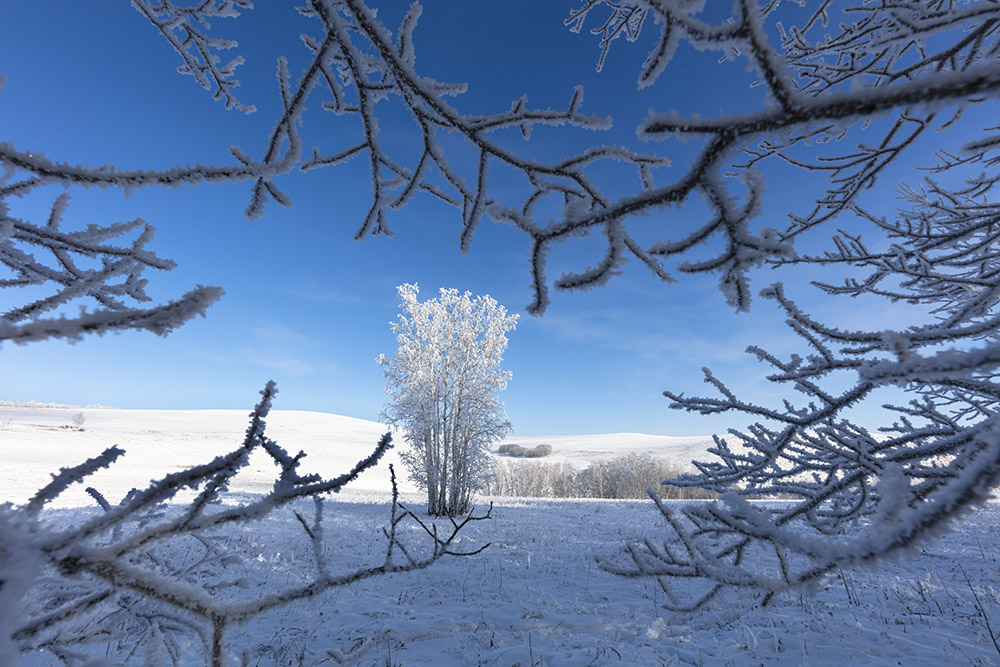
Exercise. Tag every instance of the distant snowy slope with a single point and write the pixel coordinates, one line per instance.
(36, 441)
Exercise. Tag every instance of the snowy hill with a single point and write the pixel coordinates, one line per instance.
(36, 440)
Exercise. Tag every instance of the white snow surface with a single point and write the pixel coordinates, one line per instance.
(536, 596)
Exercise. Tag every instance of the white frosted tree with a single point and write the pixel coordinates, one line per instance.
(444, 383)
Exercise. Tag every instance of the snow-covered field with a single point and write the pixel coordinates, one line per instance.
(534, 597)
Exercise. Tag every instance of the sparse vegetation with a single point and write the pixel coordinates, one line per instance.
(536, 452)
(623, 477)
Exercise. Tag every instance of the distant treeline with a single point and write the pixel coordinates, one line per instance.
(623, 477)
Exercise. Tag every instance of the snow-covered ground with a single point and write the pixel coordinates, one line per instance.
(536, 595)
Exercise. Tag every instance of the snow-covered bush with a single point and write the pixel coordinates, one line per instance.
(443, 383)
(78, 420)
(150, 577)
(536, 452)
(628, 476)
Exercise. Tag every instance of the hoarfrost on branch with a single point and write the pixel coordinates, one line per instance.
(127, 576)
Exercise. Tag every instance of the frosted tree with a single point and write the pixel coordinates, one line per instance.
(443, 384)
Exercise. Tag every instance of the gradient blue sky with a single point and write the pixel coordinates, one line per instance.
(307, 306)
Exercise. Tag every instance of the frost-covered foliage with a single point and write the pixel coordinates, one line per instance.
(149, 577)
(443, 383)
(78, 264)
(536, 452)
(855, 495)
(627, 476)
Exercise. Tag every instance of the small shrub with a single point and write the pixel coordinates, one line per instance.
(536, 452)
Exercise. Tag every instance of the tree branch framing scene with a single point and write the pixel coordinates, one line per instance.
(794, 204)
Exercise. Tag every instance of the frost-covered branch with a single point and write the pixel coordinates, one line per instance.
(132, 557)
(825, 72)
(840, 495)
(83, 264)
(186, 30)
(808, 105)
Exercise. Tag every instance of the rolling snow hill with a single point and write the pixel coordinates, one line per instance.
(37, 439)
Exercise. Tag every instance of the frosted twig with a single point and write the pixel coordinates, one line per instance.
(118, 555)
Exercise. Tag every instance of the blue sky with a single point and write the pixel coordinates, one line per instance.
(307, 306)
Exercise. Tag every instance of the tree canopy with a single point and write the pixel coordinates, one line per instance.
(443, 384)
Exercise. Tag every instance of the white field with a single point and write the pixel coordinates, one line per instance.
(535, 596)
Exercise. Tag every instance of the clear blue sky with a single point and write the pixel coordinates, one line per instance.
(307, 306)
